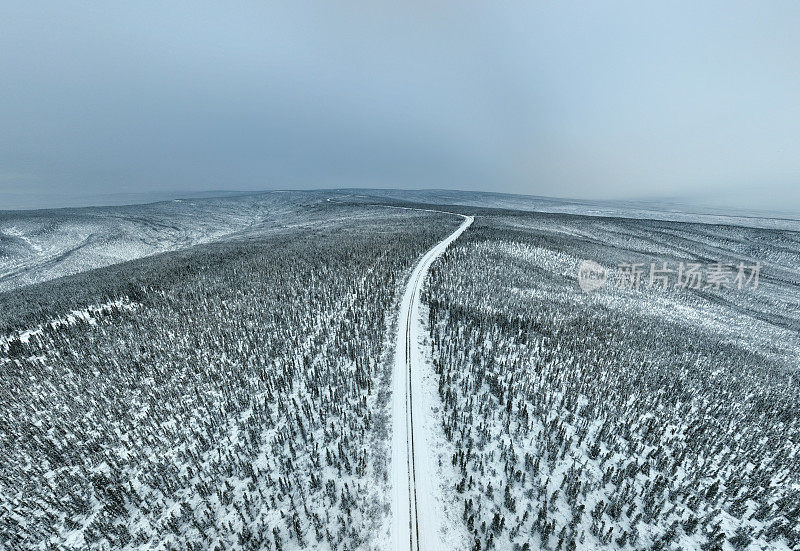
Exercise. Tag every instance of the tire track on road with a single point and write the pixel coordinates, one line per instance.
(412, 525)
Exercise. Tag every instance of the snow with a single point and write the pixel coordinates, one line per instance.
(87, 315)
(418, 505)
(37, 246)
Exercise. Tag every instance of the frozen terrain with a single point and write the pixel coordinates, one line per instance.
(674, 211)
(362, 371)
(418, 508)
(40, 245)
(235, 397)
(628, 418)
(37, 246)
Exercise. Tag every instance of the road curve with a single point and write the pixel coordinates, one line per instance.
(414, 510)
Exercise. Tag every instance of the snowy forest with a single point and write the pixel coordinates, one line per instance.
(232, 395)
(233, 387)
(623, 419)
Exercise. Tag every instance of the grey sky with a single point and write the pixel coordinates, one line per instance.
(572, 99)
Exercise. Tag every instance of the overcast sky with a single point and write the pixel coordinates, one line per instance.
(615, 100)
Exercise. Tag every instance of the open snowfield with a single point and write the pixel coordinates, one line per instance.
(37, 246)
(649, 210)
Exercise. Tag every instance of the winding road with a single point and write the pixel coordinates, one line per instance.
(416, 507)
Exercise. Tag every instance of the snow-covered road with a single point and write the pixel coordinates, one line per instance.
(417, 506)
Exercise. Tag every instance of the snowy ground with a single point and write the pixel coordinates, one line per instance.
(245, 394)
(675, 211)
(418, 506)
(41, 245)
(627, 418)
(239, 400)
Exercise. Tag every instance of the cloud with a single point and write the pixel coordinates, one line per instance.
(619, 100)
